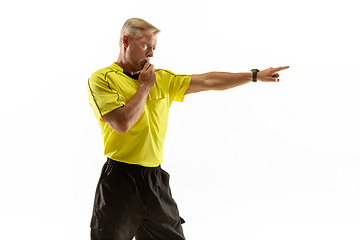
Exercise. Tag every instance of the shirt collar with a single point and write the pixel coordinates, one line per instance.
(116, 67)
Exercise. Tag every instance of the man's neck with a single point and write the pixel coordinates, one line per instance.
(132, 74)
(127, 69)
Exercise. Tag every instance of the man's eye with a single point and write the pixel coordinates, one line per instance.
(148, 46)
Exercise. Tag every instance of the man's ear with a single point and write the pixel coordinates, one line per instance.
(126, 40)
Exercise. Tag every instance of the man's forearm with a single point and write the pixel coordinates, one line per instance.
(217, 81)
(134, 107)
(226, 80)
(122, 119)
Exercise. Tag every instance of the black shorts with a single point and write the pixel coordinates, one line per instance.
(132, 200)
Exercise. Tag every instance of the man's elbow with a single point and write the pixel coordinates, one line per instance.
(121, 127)
(118, 124)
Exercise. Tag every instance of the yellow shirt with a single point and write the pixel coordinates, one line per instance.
(110, 88)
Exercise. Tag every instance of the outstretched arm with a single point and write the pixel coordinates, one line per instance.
(225, 80)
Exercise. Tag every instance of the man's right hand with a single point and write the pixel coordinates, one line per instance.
(147, 76)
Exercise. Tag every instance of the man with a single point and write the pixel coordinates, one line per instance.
(131, 102)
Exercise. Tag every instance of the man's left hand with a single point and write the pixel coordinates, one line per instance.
(270, 74)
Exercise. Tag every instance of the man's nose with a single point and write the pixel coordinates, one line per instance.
(150, 53)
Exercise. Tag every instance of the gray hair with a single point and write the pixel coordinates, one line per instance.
(134, 26)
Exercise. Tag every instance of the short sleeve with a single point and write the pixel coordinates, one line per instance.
(178, 84)
(102, 95)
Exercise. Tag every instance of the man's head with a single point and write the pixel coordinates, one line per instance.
(137, 42)
(133, 26)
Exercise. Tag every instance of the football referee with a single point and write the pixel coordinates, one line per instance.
(131, 101)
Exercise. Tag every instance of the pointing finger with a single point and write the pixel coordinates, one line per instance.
(281, 68)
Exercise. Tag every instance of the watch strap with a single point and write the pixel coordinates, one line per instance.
(254, 77)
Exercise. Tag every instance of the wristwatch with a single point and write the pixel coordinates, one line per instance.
(254, 71)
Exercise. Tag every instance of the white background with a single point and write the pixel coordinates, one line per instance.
(262, 161)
